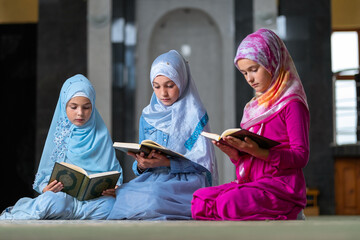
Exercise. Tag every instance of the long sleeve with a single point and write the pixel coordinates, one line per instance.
(141, 138)
(176, 166)
(135, 169)
(43, 184)
(296, 155)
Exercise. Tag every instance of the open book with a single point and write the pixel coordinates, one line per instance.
(79, 184)
(239, 133)
(146, 146)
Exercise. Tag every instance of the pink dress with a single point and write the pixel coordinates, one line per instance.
(275, 188)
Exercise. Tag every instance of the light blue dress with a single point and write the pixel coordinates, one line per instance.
(88, 146)
(161, 193)
(50, 205)
(166, 192)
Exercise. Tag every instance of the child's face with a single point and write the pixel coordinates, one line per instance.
(78, 110)
(255, 74)
(165, 90)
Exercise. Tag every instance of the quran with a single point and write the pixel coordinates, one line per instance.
(239, 133)
(79, 184)
(146, 147)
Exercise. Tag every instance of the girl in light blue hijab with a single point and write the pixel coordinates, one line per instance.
(79, 136)
(174, 118)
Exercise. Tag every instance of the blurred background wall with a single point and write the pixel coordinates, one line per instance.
(18, 62)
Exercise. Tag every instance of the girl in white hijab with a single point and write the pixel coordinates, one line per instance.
(174, 118)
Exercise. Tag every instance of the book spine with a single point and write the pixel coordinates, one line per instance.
(83, 189)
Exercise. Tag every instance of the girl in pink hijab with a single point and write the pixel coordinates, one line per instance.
(270, 183)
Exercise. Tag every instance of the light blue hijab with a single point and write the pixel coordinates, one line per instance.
(185, 119)
(88, 146)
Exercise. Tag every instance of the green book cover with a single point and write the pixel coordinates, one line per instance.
(79, 184)
(95, 185)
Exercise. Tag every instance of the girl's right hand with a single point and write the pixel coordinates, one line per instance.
(152, 160)
(54, 186)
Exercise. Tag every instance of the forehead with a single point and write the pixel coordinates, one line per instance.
(79, 100)
(244, 63)
(161, 79)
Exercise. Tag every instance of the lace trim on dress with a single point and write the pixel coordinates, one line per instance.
(60, 136)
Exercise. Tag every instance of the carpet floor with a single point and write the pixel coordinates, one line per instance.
(322, 227)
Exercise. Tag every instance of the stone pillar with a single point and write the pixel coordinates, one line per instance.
(308, 31)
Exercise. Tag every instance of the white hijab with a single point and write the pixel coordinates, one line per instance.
(185, 119)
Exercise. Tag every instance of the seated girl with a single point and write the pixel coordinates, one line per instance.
(270, 183)
(174, 118)
(77, 135)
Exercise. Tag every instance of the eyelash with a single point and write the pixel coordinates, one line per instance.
(251, 70)
(75, 107)
(168, 86)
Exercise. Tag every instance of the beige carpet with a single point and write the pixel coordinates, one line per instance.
(323, 227)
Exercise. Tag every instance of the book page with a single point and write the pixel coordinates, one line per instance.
(102, 174)
(213, 136)
(126, 145)
(130, 147)
(76, 168)
(151, 143)
(154, 145)
(229, 131)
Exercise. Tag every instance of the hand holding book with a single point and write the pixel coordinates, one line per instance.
(110, 192)
(152, 160)
(247, 146)
(232, 152)
(54, 186)
(235, 141)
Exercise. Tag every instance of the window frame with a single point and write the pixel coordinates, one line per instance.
(337, 76)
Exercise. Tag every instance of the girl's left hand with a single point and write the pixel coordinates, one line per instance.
(153, 160)
(232, 152)
(110, 192)
(248, 146)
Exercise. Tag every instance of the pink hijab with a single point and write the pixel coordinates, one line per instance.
(268, 50)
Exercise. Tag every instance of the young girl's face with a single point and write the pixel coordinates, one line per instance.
(255, 74)
(78, 110)
(165, 90)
